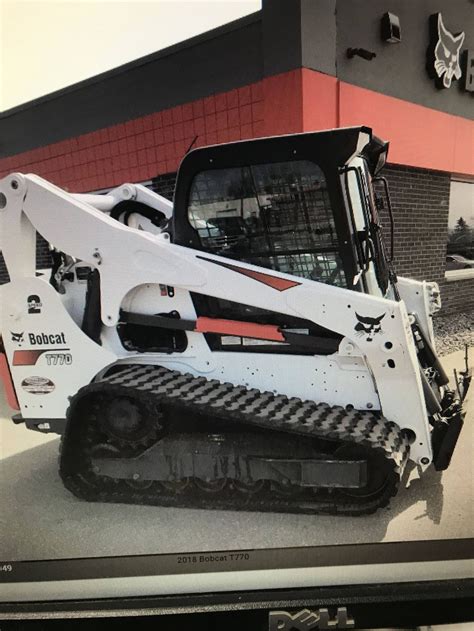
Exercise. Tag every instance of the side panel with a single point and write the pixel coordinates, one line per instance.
(49, 357)
(336, 379)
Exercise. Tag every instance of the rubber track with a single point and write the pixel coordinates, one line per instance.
(224, 402)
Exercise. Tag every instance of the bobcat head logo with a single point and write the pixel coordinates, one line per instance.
(368, 326)
(17, 337)
(447, 53)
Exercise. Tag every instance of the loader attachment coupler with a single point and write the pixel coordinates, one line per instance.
(446, 432)
(464, 380)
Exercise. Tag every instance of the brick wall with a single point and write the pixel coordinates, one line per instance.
(458, 296)
(143, 147)
(420, 200)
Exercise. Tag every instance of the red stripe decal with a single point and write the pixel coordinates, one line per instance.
(26, 358)
(276, 282)
(8, 386)
(241, 329)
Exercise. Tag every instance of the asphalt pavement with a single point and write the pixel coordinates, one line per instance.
(40, 519)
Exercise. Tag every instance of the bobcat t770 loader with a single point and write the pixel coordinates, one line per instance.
(248, 346)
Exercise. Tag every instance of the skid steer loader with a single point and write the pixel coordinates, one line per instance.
(248, 346)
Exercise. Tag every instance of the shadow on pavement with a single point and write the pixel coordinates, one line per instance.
(427, 490)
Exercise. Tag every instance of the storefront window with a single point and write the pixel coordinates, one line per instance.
(460, 250)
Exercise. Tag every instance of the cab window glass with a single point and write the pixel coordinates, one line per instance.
(276, 215)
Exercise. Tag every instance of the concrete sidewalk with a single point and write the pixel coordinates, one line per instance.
(41, 520)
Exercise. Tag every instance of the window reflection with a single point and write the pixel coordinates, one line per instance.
(460, 250)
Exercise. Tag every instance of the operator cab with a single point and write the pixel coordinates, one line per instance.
(301, 204)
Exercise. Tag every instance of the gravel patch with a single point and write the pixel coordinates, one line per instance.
(452, 332)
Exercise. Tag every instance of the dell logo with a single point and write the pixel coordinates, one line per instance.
(305, 619)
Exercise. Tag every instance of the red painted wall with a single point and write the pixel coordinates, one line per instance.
(296, 101)
(320, 101)
(144, 147)
(419, 136)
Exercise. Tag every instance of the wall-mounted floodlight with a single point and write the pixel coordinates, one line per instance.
(390, 28)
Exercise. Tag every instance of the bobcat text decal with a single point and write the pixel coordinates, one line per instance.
(38, 339)
(46, 338)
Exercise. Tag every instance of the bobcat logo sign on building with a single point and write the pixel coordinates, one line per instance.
(444, 53)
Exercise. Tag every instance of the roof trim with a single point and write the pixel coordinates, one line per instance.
(141, 61)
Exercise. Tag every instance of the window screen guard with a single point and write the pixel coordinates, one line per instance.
(275, 215)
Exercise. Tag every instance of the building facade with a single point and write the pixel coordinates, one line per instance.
(406, 69)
